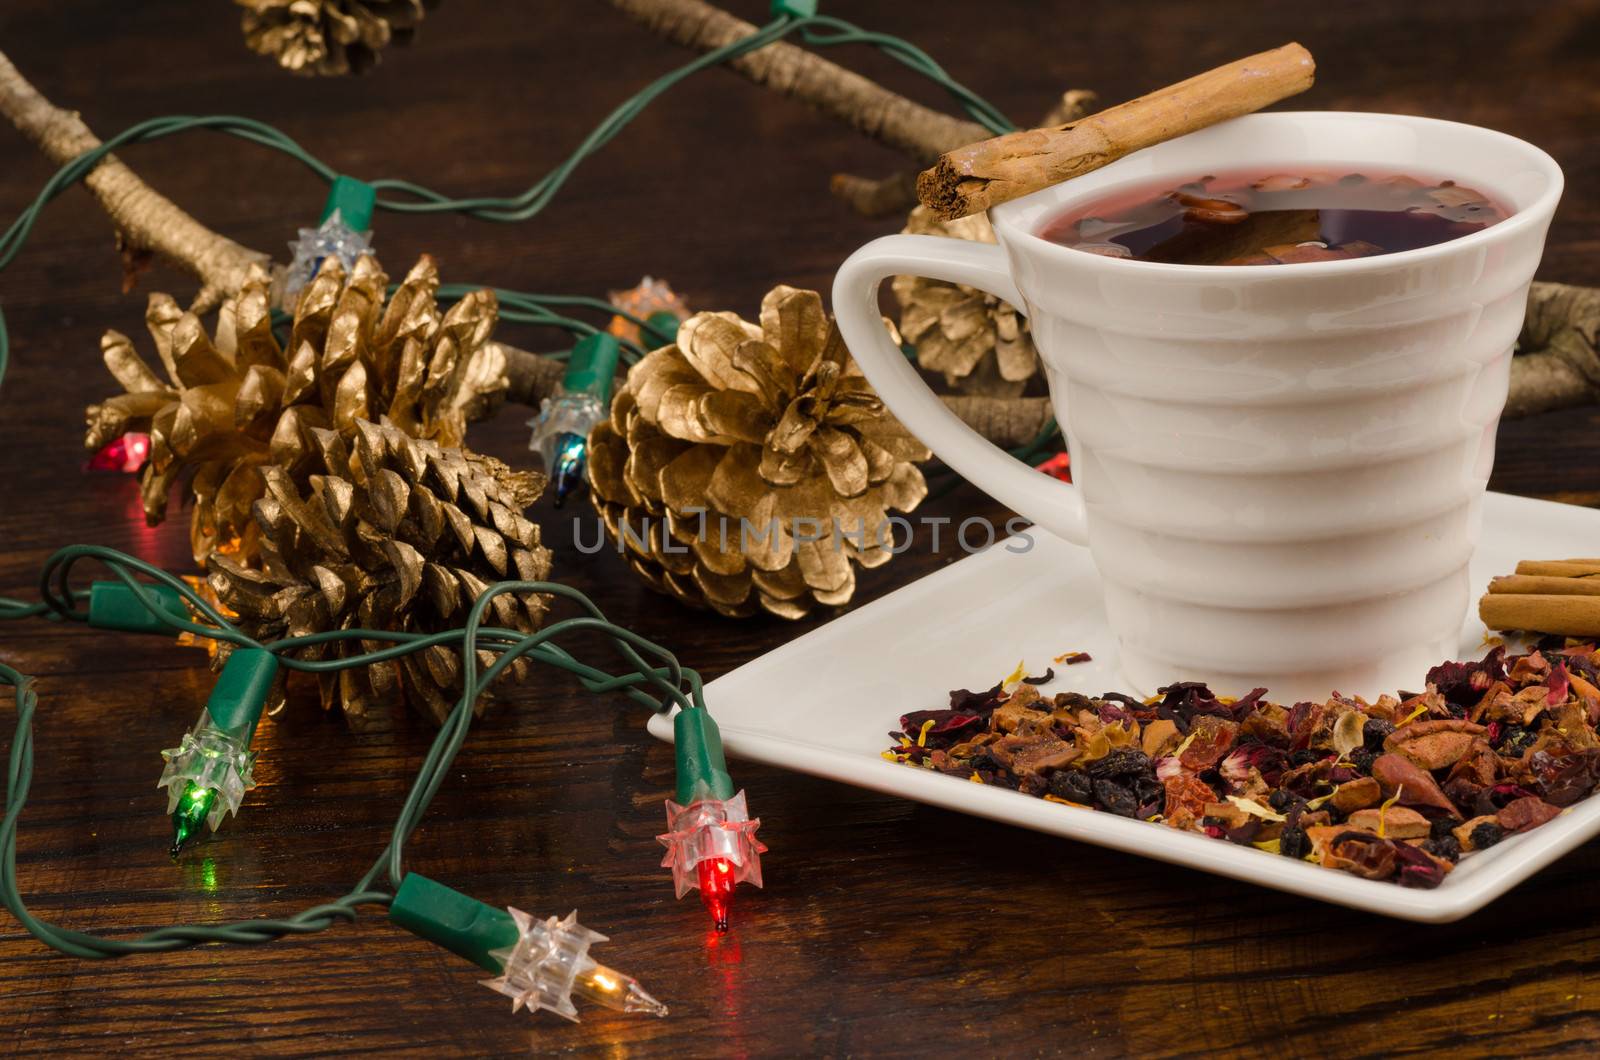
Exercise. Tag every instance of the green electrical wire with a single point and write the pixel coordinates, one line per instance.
(674, 684)
(910, 55)
(540, 310)
(659, 684)
(535, 308)
(535, 198)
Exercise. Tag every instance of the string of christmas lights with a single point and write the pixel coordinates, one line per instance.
(710, 839)
(209, 773)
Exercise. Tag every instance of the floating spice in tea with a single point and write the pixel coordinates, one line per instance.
(1275, 218)
(1399, 789)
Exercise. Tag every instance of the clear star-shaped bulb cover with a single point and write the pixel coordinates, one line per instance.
(565, 413)
(331, 239)
(538, 972)
(210, 758)
(710, 828)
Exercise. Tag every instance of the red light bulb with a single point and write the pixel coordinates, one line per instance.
(1058, 466)
(712, 847)
(716, 889)
(127, 453)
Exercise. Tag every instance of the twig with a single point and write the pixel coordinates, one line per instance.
(531, 377)
(1004, 421)
(897, 193)
(1557, 363)
(1074, 103)
(862, 104)
(868, 197)
(146, 221)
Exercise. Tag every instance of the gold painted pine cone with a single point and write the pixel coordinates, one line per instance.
(771, 428)
(236, 403)
(981, 344)
(392, 533)
(330, 37)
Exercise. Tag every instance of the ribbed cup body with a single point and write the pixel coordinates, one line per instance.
(1282, 466)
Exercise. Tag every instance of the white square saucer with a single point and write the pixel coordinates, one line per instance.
(824, 702)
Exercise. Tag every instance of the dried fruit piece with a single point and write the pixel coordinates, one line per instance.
(1356, 795)
(1209, 740)
(1396, 822)
(1212, 211)
(1186, 799)
(1526, 813)
(1434, 744)
(1400, 775)
(1347, 784)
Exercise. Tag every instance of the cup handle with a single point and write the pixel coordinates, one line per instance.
(1046, 501)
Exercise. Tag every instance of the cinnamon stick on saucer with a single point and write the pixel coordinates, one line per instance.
(1546, 596)
(985, 174)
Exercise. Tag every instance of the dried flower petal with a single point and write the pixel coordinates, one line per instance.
(1346, 784)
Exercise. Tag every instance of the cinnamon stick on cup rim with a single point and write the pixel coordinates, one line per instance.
(978, 176)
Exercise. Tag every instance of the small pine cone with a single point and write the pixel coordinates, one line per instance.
(724, 452)
(393, 533)
(237, 403)
(981, 344)
(330, 37)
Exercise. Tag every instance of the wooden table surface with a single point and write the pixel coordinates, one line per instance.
(885, 927)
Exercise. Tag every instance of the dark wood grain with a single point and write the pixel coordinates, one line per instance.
(885, 927)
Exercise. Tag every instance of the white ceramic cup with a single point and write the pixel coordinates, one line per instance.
(1279, 469)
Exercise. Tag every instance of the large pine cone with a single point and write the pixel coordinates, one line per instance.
(331, 37)
(237, 403)
(770, 428)
(393, 533)
(981, 344)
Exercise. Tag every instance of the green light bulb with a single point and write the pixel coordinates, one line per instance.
(190, 816)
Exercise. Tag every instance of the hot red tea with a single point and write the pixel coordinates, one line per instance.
(1275, 218)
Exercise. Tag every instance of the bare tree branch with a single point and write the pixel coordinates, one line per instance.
(146, 221)
(1557, 364)
(531, 377)
(869, 197)
(1006, 422)
(864, 105)
(897, 193)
